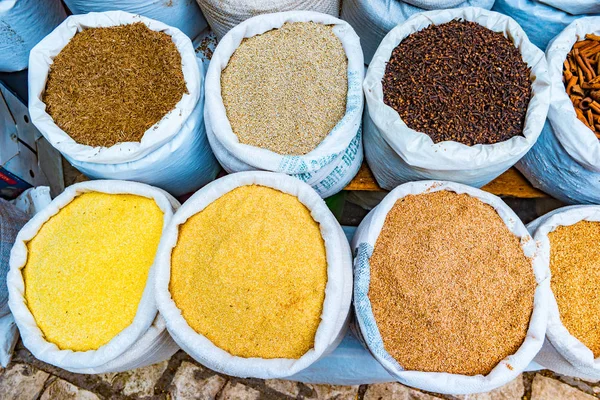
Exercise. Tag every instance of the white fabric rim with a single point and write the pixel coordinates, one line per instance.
(32, 336)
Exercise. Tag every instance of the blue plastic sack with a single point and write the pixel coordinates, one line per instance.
(373, 19)
(551, 169)
(565, 162)
(23, 23)
(182, 14)
(540, 21)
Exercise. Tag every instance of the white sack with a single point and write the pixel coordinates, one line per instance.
(222, 15)
(565, 161)
(398, 154)
(577, 139)
(13, 216)
(338, 291)
(373, 19)
(576, 7)
(23, 23)
(336, 160)
(142, 343)
(540, 21)
(508, 369)
(184, 15)
(562, 352)
(173, 154)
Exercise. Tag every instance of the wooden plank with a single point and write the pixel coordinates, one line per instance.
(509, 184)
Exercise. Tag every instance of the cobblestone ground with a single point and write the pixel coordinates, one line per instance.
(181, 378)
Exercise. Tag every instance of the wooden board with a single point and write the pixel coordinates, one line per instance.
(509, 184)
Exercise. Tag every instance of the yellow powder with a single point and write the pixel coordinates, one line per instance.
(88, 265)
(575, 268)
(249, 273)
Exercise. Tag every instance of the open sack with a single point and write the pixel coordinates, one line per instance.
(173, 154)
(336, 160)
(338, 290)
(144, 342)
(366, 328)
(23, 23)
(565, 161)
(562, 352)
(542, 20)
(398, 154)
(373, 19)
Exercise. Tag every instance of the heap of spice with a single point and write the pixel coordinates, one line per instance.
(459, 81)
(110, 85)
(87, 268)
(575, 268)
(249, 273)
(581, 76)
(451, 289)
(286, 89)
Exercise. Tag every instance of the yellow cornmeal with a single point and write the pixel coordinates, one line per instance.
(88, 265)
(249, 273)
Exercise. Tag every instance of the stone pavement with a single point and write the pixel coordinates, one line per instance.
(181, 378)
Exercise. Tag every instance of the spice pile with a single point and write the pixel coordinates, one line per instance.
(110, 85)
(286, 89)
(451, 288)
(575, 268)
(87, 268)
(459, 81)
(581, 76)
(249, 273)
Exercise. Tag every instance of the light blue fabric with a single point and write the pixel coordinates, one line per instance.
(550, 168)
(373, 19)
(540, 21)
(182, 14)
(23, 23)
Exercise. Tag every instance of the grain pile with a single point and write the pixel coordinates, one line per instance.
(286, 89)
(249, 273)
(87, 268)
(459, 81)
(451, 288)
(110, 85)
(575, 268)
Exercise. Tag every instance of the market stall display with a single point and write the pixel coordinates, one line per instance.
(23, 24)
(565, 161)
(542, 20)
(184, 15)
(268, 295)
(373, 19)
(80, 280)
(568, 244)
(141, 119)
(223, 15)
(399, 151)
(299, 110)
(415, 246)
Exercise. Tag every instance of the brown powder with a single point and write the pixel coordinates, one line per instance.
(110, 85)
(451, 288)
(575, 267)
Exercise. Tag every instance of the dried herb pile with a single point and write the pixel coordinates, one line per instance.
(110, 85)
(459, 81)
(451, 289)
(581, 73)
